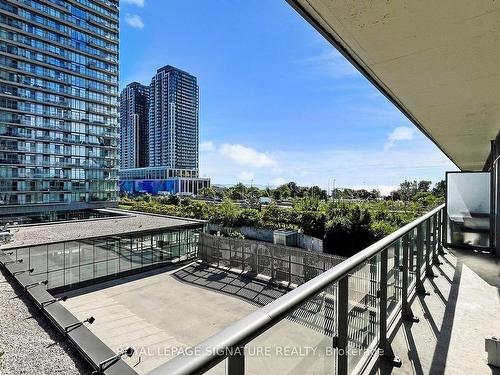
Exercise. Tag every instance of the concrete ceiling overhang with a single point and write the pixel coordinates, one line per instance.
(437, 61)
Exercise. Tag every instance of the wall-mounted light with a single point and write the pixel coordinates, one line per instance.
(77, 324)
(45, 282)
(129, 352)
(53, 300)
(12, 261)
(22, 271)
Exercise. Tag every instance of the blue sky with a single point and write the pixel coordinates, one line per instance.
(277, 102)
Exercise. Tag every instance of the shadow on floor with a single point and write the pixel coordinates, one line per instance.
(253, 290)
(441, 321)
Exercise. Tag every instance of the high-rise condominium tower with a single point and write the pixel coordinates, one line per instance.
(58, 105)
(173, 120)
(134, 126)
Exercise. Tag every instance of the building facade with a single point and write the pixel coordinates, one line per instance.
(173, 119)
(162, 180)
(58, 105)
(134, 126)
(172, 132)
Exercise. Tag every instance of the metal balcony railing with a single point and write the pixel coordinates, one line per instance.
(348, 310)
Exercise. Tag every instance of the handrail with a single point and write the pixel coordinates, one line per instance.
(217, 347)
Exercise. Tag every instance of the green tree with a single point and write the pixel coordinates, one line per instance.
(308, 203)
(439, 190)
(312, 223)
(274, 217)
(347, 234)
(207, 192)
(284, 191)
(424, 186)
(294, 189)
(317, 192)
(225, 214)
(249, 217)
(407, 190)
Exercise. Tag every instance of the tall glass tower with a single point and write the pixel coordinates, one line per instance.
(134, 126)
(173, 120)
(58, 105)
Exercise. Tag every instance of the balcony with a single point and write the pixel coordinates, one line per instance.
(271, 309)
(377, 300)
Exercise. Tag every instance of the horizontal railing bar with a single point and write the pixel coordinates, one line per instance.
(215, 349)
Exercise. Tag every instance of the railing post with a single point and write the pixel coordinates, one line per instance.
(342, 339)
(272, 263)
(420, 249)
(236, 361)
(406, 308)
(429, 241)
(385, 346)
(437, 239)
(441, 232)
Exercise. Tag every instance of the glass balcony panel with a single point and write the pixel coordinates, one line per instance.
(300, 343)
(412, 257)
(394, 278)
(363, 313)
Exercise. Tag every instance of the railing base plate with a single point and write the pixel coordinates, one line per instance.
(394, 360)
(411, 318)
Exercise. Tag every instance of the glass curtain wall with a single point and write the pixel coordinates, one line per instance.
(72, 262)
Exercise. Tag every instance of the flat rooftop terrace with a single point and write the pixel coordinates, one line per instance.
(123, 222)
(162, 312)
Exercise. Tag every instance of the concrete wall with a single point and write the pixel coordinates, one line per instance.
(309, 243)
(261, 234)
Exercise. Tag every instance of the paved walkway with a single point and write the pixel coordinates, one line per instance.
(461, 311)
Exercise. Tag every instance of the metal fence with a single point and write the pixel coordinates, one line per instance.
(350, 306)
(280, 263)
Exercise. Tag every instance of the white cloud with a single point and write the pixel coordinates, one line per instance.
(207, 146)
(139, 3)
(247, 156)
(135, 21)
(245, 176)
(401, 133)
(351, 166)
(333, 64)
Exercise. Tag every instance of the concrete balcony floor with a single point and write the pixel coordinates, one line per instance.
(463, 308)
